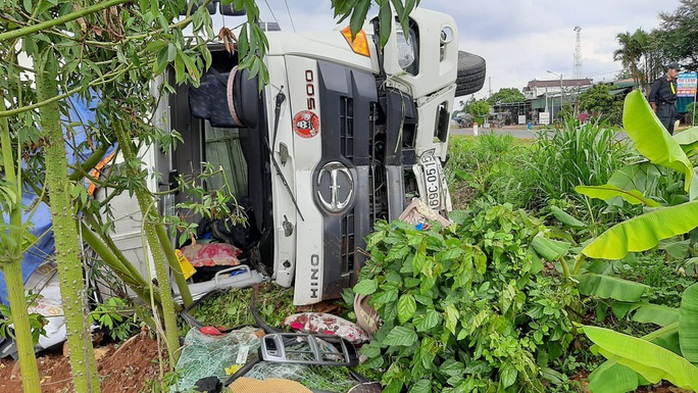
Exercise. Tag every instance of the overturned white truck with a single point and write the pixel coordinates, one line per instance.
(344, 134)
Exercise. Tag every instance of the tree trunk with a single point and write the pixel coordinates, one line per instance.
(150, 221)
(13, 270)
(82, 360)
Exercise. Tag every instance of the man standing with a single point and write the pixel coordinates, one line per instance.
(663, 97)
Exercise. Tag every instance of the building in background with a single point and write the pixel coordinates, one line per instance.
(552, 95)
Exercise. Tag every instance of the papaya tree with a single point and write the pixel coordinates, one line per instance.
(111, 52)
(12, 236)
(65, 64)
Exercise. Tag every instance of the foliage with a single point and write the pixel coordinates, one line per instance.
(116, 317)
(661, 275)
(638, 53)
(678, 34)
(479, 109)
(491, 165)
(466, 308)
(36, 321)
(13, 237)
(359, 9)
(231, 307)
(571, 154)
(219, 204)
(506, 95)
(600, 104)
(644, 232)
(652, 361)
(642, 355)
(690, 114)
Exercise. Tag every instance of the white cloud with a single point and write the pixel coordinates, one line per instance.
(519, 39)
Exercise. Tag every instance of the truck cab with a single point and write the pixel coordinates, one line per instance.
(344, 134)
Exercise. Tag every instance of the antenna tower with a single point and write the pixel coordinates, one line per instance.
(577, 70)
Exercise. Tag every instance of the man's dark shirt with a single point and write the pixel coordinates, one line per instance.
(663, 91)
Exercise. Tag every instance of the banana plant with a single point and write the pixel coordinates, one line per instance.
(669, 352)
(638, 361)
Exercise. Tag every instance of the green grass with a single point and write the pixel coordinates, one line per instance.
(488, 166)
(574, 154)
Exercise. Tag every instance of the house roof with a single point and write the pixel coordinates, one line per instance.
(556, 83)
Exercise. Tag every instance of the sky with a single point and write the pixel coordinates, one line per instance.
(519, 39)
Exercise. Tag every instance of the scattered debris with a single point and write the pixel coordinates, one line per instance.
(328, 324)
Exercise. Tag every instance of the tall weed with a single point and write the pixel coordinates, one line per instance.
(573, 154)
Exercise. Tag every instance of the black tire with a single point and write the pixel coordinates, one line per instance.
(471, 73)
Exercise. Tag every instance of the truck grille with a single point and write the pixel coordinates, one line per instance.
(346, 121)
(348, 247)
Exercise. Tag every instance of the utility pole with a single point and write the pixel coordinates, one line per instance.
(561, 91)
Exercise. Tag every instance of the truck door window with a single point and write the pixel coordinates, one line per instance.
(223, 149)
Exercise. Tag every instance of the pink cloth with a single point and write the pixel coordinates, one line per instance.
(328, 324)
(212, 254)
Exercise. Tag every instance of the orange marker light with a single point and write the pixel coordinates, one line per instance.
(359, 44)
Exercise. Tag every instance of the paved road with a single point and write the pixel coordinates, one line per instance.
(517, 132)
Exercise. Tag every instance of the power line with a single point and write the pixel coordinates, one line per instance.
(293, 25)
(272, 12)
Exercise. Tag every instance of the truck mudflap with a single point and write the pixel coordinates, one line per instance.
(431, 182)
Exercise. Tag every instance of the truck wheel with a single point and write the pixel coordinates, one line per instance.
(471, 73)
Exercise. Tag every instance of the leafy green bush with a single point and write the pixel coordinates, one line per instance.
(469, 308)
(690, 114)
(601, 104)
(37, 322)
(116, 317)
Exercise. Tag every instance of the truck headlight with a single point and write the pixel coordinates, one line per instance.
(406, 49)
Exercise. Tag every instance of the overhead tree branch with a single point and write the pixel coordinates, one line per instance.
(59, 21)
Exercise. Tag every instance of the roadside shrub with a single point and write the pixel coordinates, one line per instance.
(469, 308)
(690, 114)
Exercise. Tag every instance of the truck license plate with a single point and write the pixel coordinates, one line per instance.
(432, 179)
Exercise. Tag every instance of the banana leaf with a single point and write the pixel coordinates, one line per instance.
(608, 191)
(675, 247)
(548, 249)
(566, 218)
(651, 139)
(609, 287)
(688, 323)
(651, 361)
(643, 232)
(688, 140)
(642, 177)
(621, 310)
(612, 377)
(657, 314)
(693, 194)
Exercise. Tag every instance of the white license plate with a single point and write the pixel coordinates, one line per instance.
(432, 180)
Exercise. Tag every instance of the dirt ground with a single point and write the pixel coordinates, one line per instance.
(130, 367)
(124, 367)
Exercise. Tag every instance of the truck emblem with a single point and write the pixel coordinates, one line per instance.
(306, 124)
(335, 187)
